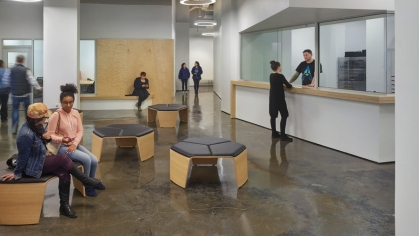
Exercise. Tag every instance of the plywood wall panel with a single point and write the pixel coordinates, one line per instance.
(120, 61)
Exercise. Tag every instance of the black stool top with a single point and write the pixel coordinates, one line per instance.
(123, 130)
(168, 107)
(208, 147)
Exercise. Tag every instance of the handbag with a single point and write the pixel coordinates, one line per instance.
(53, 148)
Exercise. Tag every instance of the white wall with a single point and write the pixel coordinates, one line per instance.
(355, 35)
(251, 12)
(182, 49)
(202, 50)
(125, 21)
(301, 39)
(20, 21)
(407, 116)
(362, 129)
(218, 53)
(88, 59)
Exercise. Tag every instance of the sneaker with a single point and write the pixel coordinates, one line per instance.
(90, 191)
(100, 187)
(285, 138)
(136, 104)
(276, 135)
(4, 123)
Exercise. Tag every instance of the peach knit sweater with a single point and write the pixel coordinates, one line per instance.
(70, 126)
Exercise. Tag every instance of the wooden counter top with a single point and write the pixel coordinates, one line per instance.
(322, 92)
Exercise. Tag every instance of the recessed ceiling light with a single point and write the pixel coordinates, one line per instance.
(205, 22)
(28, 0)
(200, 2)
(208, 34)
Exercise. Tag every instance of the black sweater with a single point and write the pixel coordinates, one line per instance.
(277, 82)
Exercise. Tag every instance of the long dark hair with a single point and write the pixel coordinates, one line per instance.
(1, 63)
(198, 63)
(68, 90)
(182, 65)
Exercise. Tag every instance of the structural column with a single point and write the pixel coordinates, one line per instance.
(61, 48)
(407, 116)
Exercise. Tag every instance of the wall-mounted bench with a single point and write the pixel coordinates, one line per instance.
(121, 102)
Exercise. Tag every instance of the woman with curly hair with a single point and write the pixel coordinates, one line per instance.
(71, 128)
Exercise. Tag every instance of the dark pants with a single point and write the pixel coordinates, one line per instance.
(58, 165)
(141, 99)
(15, 112)
(184, 84)
(283, 110)
(196, 85)
(4, 98)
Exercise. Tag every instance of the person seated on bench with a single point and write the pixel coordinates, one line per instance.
(140, 89)
(67, 122)
(32, 160)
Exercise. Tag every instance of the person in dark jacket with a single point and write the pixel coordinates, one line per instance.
(184, 76)
(277, 101)
(33, 161)
(196, 76)
(19, 79)
(140, 89)
(4, 96)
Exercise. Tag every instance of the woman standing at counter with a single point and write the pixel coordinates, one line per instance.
(277, 101)
(140, 89)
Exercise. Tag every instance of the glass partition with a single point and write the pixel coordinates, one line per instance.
(357, 54)
(283, 45)
(87, 66)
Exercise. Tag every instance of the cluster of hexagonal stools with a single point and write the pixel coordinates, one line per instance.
(167, 114)
(206, 151)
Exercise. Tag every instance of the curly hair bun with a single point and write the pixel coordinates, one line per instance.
(273, 62)
(69, 88)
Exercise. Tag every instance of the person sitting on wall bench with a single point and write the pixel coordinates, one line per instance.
(140, 89)
(306, 68)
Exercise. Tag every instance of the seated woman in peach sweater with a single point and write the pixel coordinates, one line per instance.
(71, 128)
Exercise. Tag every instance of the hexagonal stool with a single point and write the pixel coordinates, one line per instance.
(125, 135)
(206, 151)
(167, 114)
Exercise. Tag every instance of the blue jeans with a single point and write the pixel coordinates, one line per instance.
(15, 112)
(84, 156)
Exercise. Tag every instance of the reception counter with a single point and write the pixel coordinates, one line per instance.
(358, 123)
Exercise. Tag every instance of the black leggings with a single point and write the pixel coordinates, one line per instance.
(283, 124)
(196, 85)
(184, 84)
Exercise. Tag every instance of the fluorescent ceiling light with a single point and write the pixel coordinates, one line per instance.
(200, 2)
(205, 22)
(28, 0)
(208, 34)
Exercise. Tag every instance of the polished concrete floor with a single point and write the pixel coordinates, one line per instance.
(293, 189)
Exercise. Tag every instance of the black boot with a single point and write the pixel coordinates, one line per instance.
(65, 208)
(84, 179)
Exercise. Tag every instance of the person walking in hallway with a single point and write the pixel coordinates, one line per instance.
(140, 89)
(4, 96)
(306, 68)
(184, 76)
(196, 72)
(19, 79)
(66, 122)
(277, 101)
